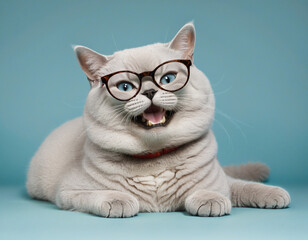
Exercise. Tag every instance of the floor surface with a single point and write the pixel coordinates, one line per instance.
(24, 218)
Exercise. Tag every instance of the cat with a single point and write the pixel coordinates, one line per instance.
(144, 142)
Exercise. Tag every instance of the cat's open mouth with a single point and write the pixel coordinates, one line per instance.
(154, 116)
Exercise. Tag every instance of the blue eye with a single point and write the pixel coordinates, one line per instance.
(168, 78)
(125, 86)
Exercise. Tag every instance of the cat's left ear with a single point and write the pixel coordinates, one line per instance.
(90, 61)
(184, 40)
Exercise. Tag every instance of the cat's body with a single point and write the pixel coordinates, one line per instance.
(160, 186)
(102, 163)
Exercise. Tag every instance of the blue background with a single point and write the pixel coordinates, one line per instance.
(255, 54)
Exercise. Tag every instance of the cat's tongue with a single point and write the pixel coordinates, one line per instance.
(154, 114)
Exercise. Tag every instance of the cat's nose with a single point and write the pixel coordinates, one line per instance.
(149, 93)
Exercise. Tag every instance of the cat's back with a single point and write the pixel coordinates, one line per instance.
(61, 150)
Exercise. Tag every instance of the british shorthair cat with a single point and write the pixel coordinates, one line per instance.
(144, 142)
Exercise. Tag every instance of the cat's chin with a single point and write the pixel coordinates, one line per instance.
(141, 121)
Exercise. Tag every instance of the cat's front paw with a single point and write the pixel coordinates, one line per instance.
(207, 204)
(118, 205)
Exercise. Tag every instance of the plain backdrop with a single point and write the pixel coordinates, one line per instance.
(254, 53)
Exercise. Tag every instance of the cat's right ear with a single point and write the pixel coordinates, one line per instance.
(184, 41)
(90, 61)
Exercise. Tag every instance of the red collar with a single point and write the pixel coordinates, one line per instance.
(156, 154)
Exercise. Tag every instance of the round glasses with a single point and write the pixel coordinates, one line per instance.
(170, 76)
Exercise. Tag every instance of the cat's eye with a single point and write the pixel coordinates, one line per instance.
(125, 86)
(168, 78)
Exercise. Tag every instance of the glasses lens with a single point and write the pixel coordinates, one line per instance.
(123, 85)
(171, 76)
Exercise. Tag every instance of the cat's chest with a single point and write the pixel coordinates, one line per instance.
(155, 192)
(152, 182)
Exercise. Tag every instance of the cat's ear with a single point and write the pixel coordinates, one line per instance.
(184, 40)
(90, 61)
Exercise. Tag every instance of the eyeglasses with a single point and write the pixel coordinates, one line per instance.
(170, 76)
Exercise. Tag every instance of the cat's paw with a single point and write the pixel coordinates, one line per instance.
(118, 205)
(105, 203)
(207, 204)
(272, 197)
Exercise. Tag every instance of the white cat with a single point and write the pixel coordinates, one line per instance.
(144, 143)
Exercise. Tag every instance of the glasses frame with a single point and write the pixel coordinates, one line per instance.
(186, 62)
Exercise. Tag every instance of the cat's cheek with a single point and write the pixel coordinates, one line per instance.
(165, 100)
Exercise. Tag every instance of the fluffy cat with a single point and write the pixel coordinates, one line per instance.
(145, 145)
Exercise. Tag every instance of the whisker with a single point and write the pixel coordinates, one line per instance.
(233, 121)
(219, 82)
(222, 92)
(224, 129)
(115, 44)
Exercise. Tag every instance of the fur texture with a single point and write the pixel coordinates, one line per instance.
(87, 164)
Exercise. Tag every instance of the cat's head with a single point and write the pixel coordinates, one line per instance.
(133, 114)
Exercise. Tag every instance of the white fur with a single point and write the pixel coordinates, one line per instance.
(87, 164)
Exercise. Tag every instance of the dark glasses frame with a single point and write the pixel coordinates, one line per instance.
(186, 62)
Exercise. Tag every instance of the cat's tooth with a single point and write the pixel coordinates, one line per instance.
(163, 120)
(149, 123)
